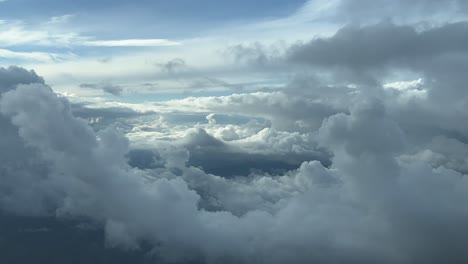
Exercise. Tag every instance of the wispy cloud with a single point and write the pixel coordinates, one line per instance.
(130, 43)
(15, 33)
(36, 56)
(52, 34)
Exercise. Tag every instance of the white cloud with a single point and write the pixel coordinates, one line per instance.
(405, 85)
(130, 43)
(56, 32)
(366, 206)
(188, 180)
(36, 56)
(14, 33)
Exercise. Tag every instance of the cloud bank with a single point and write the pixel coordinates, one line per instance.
(359, 158)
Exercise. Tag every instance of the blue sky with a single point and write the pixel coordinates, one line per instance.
(177, 9)
(68, 42)
(140, 19)
(168, 19)
(124, 43)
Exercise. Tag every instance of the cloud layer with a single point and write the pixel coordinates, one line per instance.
(359, 158)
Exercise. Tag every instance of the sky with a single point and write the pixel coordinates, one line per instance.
(320, 131)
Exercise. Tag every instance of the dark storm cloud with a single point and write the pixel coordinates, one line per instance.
(370, 55)
(20, 165)
(382, 45)
(12, 76)
(364, 10)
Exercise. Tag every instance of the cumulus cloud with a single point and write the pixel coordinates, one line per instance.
(12, 76)
(372, 203)
(350, 46)
(360, 158)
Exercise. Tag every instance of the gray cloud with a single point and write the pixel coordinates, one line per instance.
(12, 76)
(43, 235)
(108, 88)
(366, 173)
(368, 56)
(219, 158)
(193, 78)
(357, 210)
(382, 45)
(408, 11)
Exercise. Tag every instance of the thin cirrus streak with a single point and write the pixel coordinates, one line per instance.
(131, 43)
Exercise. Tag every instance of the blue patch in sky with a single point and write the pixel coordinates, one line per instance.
(204, 9)
(146, 18)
